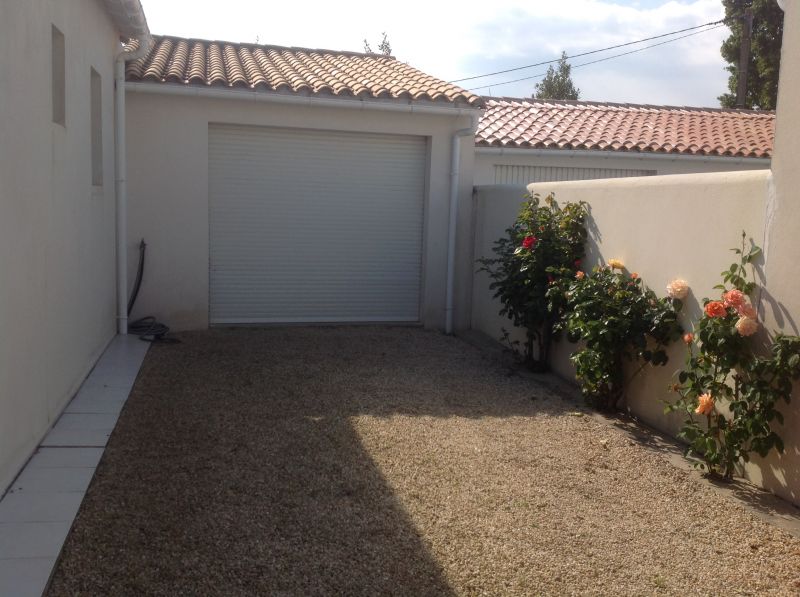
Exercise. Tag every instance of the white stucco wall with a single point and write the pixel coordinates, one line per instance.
(168, 191)
(682, 226)
(56, 229)
(780, 305)
(664, 228)
(487, 158)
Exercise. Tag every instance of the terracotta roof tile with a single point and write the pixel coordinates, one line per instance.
(510, 122)
(175, 60)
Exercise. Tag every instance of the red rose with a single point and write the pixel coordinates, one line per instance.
(529, 242)
(577, 264)
(716, 309)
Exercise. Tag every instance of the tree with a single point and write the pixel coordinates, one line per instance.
(765, 53)
(384, 47)
(557, 83)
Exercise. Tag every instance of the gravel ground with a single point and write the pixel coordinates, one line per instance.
(366, 460)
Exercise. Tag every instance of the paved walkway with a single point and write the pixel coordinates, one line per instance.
(38, 510)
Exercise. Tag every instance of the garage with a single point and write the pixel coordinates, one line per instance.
(314, 226)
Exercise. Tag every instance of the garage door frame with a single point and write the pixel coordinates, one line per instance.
(425, 155)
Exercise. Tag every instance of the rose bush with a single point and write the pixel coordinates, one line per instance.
(733, 390)
(544, 246)
(618, 319)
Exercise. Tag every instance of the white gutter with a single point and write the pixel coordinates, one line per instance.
(455, 166)
(632, 155)
(226, 93)
(121, 186)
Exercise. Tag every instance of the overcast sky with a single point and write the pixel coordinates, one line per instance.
(451, 40)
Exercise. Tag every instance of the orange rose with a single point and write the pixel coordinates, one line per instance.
(688, 338)
(716, 309)
(634, 275)
(580, 275)
(616, 264)
(705, 405)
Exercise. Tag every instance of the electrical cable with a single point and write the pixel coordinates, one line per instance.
(630, 43)
(147, 328)
(599, 59)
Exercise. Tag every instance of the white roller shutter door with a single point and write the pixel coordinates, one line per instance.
(314, 226)
(504, 174)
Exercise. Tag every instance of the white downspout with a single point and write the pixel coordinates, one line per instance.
(452, 224)
(121, 170)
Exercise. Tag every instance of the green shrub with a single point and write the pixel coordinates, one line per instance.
(617, 319)
(543, 247)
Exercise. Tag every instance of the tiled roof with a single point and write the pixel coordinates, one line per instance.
(549, 124)
(298, 71)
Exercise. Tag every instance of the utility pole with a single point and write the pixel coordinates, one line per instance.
(744, 56)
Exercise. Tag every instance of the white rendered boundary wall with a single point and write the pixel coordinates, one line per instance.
(663, 227)
(681, 226)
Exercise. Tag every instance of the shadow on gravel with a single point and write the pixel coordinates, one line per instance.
(234, 468)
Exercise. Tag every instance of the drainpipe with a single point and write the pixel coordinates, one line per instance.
(452, 224)
(121, 187)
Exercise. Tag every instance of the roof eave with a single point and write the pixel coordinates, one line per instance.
(394, 105)
(128, 17)
(640, 155)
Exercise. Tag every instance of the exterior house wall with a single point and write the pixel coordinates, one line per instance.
(168, 192)
(487, 158)
(780, 301)
(57, 290)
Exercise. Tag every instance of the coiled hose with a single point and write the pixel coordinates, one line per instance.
(147, 328)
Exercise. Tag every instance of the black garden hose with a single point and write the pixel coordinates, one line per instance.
(147, 328)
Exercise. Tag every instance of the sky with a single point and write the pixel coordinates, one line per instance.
(451, 40)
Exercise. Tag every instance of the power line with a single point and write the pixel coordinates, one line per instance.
(599, 60)
(630, 43)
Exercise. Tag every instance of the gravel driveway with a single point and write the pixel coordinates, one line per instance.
(373, 460)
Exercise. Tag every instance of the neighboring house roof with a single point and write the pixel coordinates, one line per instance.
(301, 71)
(128, 17)
(552, 124)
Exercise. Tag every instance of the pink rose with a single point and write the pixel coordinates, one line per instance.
(716, 309)
(734, 298)
(747, 310)
(678, 289)
(746, 326)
